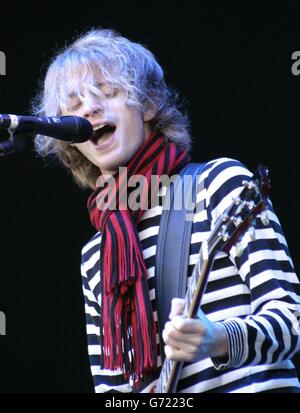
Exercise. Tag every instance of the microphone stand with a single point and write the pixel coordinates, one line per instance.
(13, 144)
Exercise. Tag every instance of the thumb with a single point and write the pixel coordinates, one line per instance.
(177, 307)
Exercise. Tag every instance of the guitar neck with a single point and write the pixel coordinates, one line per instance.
(170, 372)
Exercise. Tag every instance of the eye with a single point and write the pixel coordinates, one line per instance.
(76, 106)
(107, 89)
(74, 103)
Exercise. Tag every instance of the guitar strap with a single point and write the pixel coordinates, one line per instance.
(173, 242)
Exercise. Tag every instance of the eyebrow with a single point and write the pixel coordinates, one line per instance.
(72, 95)
(103, 84)
(97, 84)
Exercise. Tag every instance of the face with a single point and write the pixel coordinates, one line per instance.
(119, 129)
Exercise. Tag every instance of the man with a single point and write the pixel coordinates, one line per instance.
(247, 329)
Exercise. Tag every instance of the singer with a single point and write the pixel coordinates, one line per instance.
(247, 327)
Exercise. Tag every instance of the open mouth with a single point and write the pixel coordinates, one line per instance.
(103, 132)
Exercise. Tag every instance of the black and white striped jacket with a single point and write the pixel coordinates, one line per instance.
(256, 296)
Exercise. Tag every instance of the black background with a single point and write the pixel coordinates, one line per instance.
(232, 64)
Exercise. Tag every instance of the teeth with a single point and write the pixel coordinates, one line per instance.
(98, 134)
(102, 126)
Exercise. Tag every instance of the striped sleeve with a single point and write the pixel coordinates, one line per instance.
(104, 380)
(270, 332)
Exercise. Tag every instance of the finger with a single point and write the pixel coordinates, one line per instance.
(177, 355)
(188, 325)
(170, 332)
(177, 307)
(189, 342)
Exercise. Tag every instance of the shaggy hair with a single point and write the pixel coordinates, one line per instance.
(125, 65)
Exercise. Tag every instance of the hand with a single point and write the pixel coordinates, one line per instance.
(191, 340)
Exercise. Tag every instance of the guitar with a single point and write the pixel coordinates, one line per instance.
(238, 219)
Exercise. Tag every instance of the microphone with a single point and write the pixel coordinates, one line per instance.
(73, 129)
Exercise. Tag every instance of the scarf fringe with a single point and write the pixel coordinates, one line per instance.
(127, 332)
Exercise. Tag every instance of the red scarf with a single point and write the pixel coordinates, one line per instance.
(127, 330)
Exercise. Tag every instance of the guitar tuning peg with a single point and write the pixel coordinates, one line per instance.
(251, 232)
(264, 218)
(239, 249)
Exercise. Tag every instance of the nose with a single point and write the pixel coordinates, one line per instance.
(92, 107)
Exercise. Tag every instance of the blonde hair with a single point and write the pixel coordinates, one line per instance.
(124, 64)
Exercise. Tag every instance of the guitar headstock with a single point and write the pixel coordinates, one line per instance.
(241, 214)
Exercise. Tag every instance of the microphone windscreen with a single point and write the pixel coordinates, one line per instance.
(76, 129)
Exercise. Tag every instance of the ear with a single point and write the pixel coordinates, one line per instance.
(148, 115)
